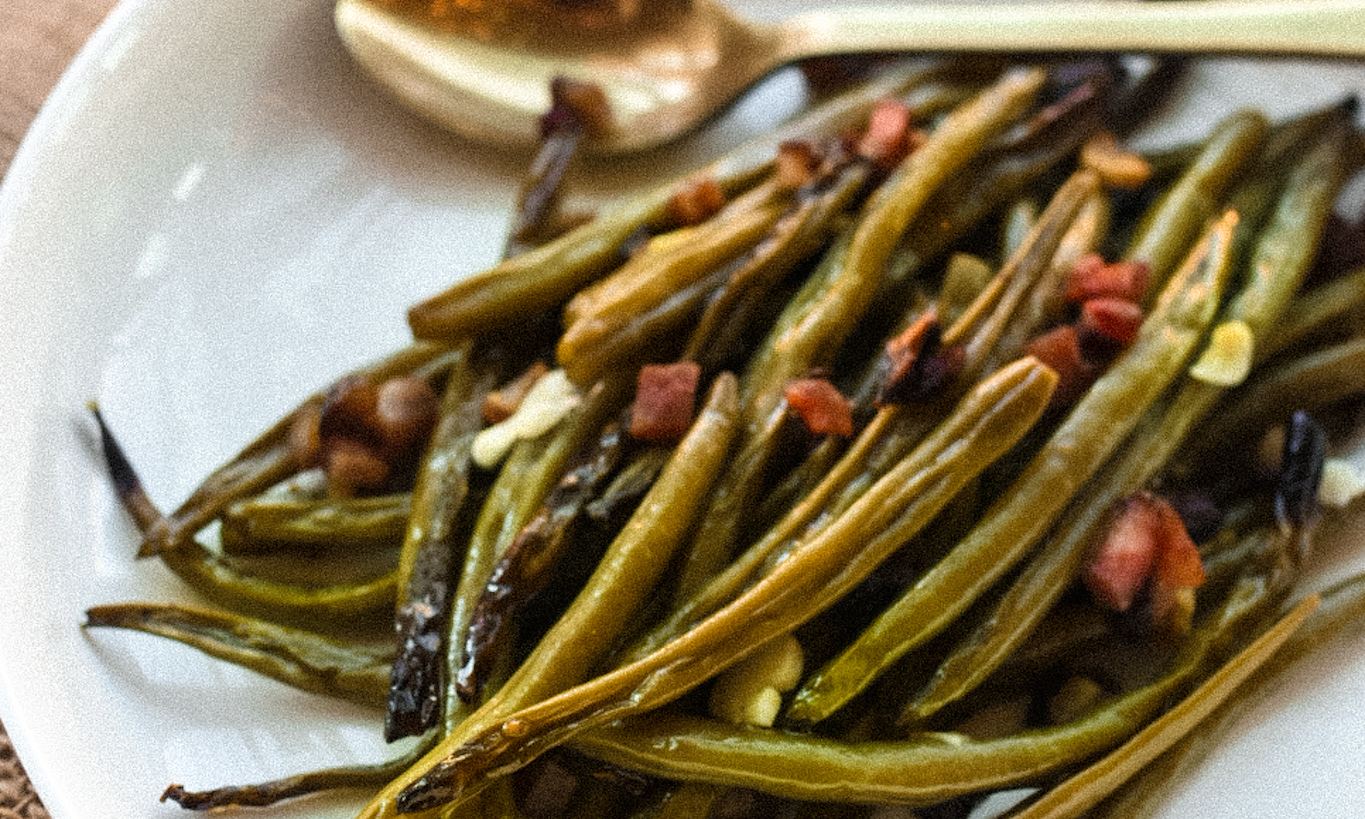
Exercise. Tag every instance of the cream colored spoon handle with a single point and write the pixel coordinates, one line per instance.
(1300, 27)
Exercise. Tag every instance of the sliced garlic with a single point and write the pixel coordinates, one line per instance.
(1227, 360)
(546, 404)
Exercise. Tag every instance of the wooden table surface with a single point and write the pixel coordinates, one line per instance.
(38, 39)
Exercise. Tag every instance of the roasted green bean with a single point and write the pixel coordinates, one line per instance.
(265, 525)
(1015, 522)
(1279, 265)
(620, 585)
(988, 421)
(549, 275)
(311, 662)
(270, 458)
(870, 532)
(820, 317)
(431, 547)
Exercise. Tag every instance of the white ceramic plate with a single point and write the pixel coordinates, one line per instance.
(215, 214)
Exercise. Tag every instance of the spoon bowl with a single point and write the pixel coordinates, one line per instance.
(483, 70)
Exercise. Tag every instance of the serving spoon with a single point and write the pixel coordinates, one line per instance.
(482, 68)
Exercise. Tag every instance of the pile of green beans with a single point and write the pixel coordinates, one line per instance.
(904, 602)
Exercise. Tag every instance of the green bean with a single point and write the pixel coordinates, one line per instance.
(430, 551)
(528, 474)
(1282, 164)
(1018, 519)
(1003, 171)
(816, 509)
(1045, 305)
(668, 607)
(810, 332)
(1279, 265)
(890, 434)
(265, 524)
(988, 422)
(731, 294)
(1048, 574)
(538, 217)
(1285, 251)
(736, 490)
(933, 767)
(630, 484)
(304, 784)
(269, 459)
(1130, 109)
(530, 560)
(965, 278)
(923, 770)
(803, 230)
(818, 320)
(619, 586)
(1177, 217)
(605, 323)
(221, 581)
(305, 660)
(549, 275)
(1329, 305)
(801, 480)
(926, 769)
(1023, 274)
(1084, 790)
(1341, 610)
(1019, 220)
(1266, 581)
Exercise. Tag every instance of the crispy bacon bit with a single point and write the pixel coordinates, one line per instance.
(1146, 549)
(305, 436)
(1178, 564)
(1111, 318)
(917, 339)
(1060, 349)
(665, 395)
(352, 466)
(823, 409)
(348, 410)
(1092, 278)
(364, 431)
(405, 412)
(1122, 562)
(888, 138)
(581, 103)
(915, 362)
(797, 162)
(697, 200)
(830, 73)
(500, 404)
